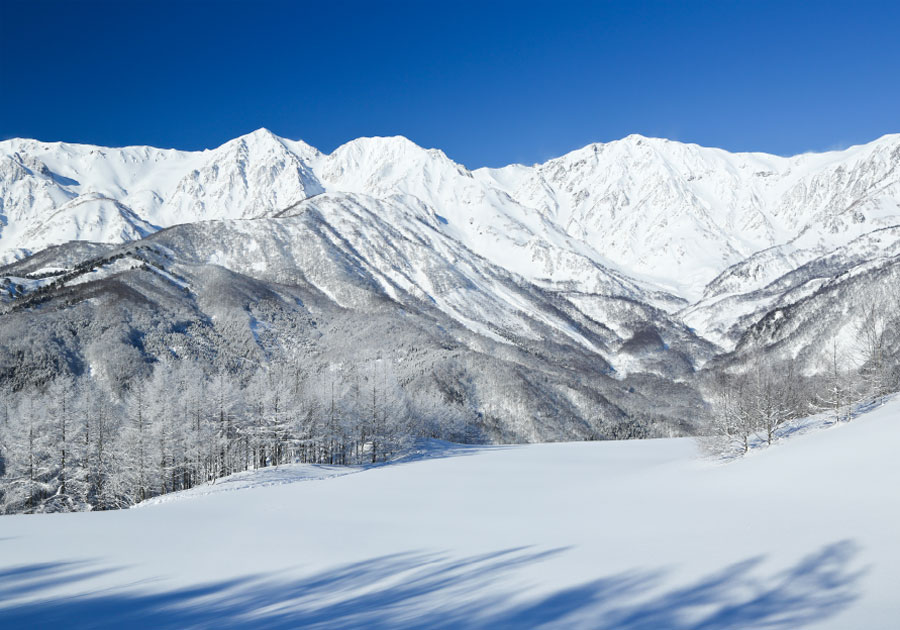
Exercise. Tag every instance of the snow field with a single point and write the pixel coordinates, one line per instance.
(635, 534)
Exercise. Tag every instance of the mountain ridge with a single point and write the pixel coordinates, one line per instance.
(669, 224)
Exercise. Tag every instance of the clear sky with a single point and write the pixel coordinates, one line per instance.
(488, 82)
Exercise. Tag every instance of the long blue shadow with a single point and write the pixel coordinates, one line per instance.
(415, 590)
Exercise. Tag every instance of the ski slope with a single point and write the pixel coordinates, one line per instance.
(626, 535)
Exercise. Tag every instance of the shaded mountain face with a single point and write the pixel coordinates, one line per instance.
(528, 366)
(553, 299)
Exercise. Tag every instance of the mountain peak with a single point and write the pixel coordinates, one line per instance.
(392, 144)
(637, 138)
(257, 137)
(265, 139)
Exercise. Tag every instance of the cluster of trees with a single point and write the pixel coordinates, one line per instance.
(12, 289)
(60, 278)
(750, 403)
(755, 402)
(73, 446)
(875, 347)
(45, 274)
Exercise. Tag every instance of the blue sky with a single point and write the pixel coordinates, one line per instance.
(490, 83)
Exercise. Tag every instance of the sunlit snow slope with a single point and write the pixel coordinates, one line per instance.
(624, 535)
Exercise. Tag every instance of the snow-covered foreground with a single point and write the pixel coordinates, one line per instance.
(631, 535)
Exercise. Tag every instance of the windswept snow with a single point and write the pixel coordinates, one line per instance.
(626, 535)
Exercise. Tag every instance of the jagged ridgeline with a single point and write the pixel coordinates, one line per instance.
(168, 317)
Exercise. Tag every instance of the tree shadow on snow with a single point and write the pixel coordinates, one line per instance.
(406, 591)
(440, 449)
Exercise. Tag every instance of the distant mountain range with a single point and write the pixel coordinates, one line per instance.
(599, 280)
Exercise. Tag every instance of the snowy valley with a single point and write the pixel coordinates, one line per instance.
(261, 303)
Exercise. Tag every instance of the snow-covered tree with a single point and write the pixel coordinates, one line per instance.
(837, 391)
(29, 465)
(875, 324)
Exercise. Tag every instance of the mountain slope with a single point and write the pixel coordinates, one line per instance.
(775, 278)
(342, 281)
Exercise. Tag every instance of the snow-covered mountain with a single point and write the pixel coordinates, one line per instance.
(673, 215)
(680, 214)
(641, 251)
(332, 281)
(42, 183)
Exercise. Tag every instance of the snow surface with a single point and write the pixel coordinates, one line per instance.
(627, 535)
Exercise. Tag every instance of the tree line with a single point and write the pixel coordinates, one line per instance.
(749, 403)
(74, 446)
